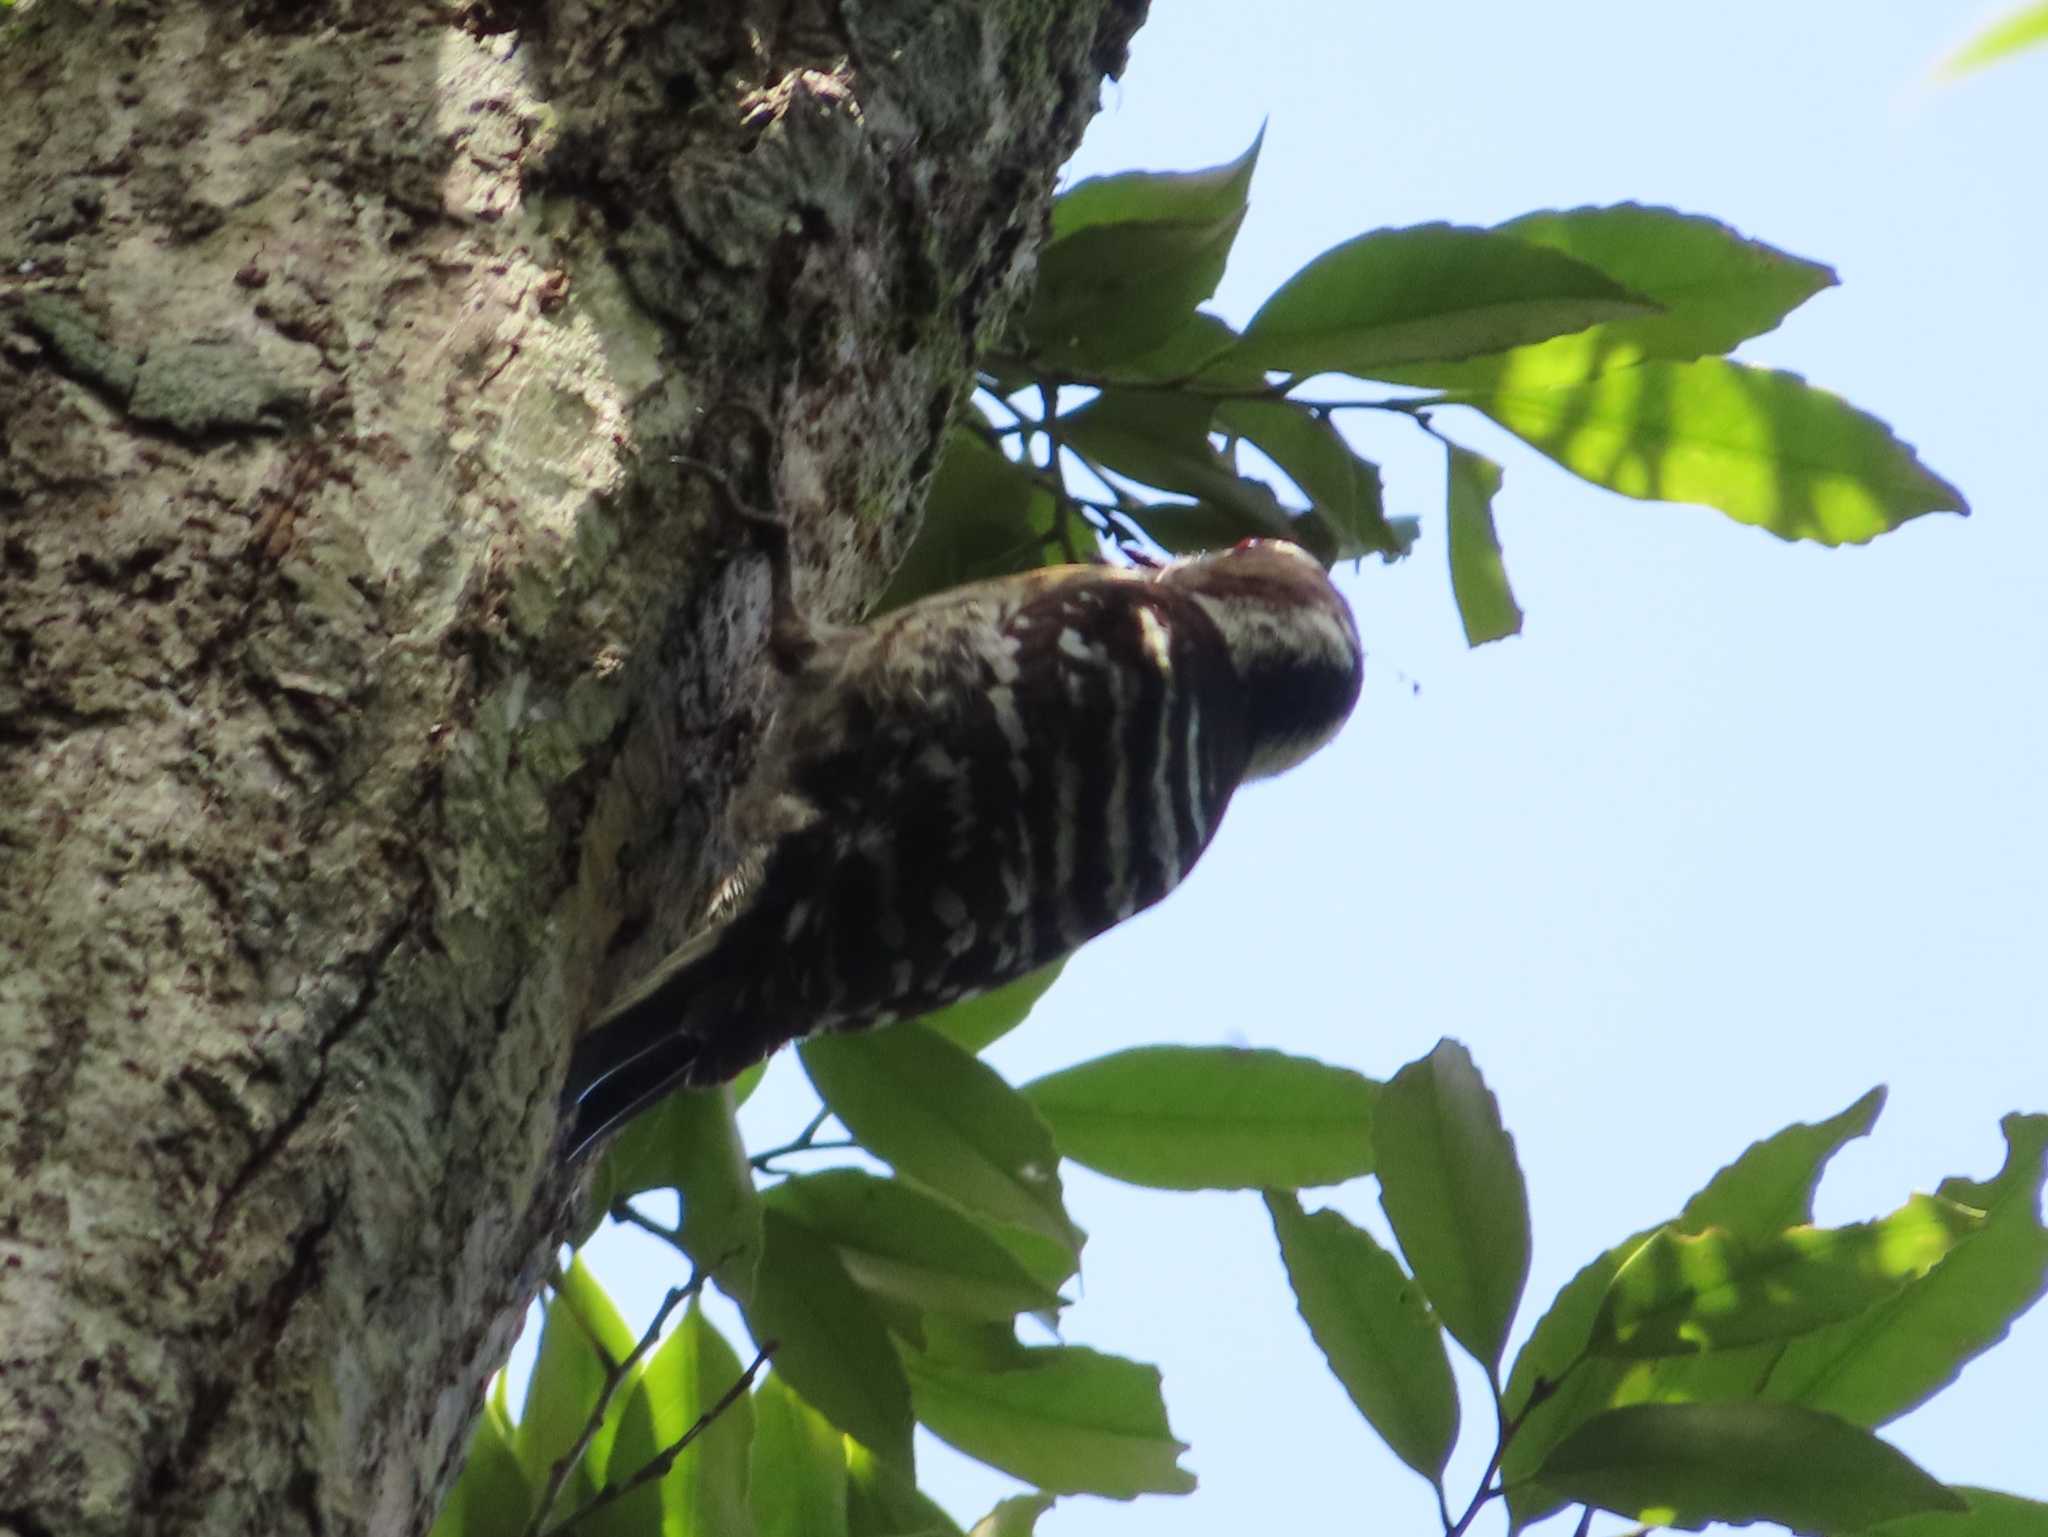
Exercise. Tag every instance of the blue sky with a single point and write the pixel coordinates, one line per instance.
(1733, 831)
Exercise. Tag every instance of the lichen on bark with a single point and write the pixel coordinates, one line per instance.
(371, 686)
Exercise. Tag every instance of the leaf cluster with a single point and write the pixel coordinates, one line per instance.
(1730, 1364)
(1119, 414)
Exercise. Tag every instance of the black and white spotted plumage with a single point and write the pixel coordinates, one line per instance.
(975, 785)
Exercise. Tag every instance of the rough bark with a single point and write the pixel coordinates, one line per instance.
(370, 684)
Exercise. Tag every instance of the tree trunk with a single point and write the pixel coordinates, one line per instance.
(371, 683)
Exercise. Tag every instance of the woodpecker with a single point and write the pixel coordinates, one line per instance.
(970, 787)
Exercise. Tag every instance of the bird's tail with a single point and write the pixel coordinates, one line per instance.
(648, 1043)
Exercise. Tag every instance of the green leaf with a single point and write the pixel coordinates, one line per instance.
(985, 517)
(1014, 1517)
(1343, 490)
(582, 1337)
(1211, 1118)
(902, 1244)
(749, 1080)
(1479, 580)
(691, 1142)
(881, 1502)
(944, 1119)
(1684, 1464)
(830, 1344)
(706, 1488)
(1143, 197)
(2024, 28)
(1566, 1390)
(1117, 291)
(974, 1024)
(1680, 1294)
(1991, 1514)
(1161, 438)
(1130, 258)
(1069, 1420)
(985, 1347)
(1877, 1366)
(1199, 357)
(1185, 528)
(1452, 1189)
(1374, 1327)
(1770, 1187)
(1433, 292)
(491, 1497)
(1715, 288)
(797, 1477)
(1763, 447)
(1049, 1262)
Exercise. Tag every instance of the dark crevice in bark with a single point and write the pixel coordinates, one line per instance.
(270, 1146)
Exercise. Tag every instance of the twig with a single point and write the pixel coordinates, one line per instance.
(615, 1375)
(1277, 391)
(761, 1164)
(657, 1467)
(806, 1138)
(624, 1211)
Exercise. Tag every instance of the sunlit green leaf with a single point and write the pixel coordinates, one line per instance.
(941, 1117)
(749, 1080)
(1452, 1189)
(1436, 291)
(1071, 1421)
(830, 1345)
(902, 1244)
(1375, 1329)
(1763, 447)
(1211, 1118)
(797, 1476)
(1683, 1293)
(1715, 287)
(1768, 1188)
(1682, 1464)
(881, 1502)
(978, 1344)
(691, 1142)
(1479, 579)
(1878, 1365)
(492, 1496)
(1014, 1517)
(974, 1024)
(581, 1337)
(2024, 28)
(705, 1490)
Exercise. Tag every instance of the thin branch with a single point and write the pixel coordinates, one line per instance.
(805, 1139)
(1276, 391)
(624, 1211)
(616, 1374)
(762, 1164)
(1443, 1505)
(657, 1467)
